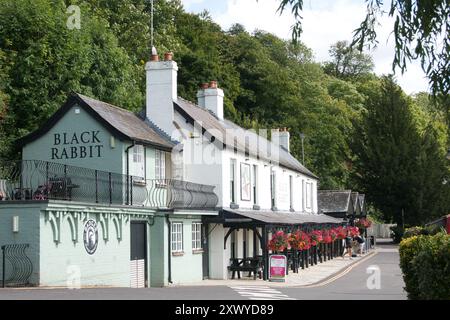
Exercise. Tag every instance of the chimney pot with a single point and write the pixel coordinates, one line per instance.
(213, 84)
(155, 56)
(168, 56)
(204, 85)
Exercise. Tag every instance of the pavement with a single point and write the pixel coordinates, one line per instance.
(306, 277)
(374, 276)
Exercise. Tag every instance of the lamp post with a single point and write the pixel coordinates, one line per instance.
(302, 137)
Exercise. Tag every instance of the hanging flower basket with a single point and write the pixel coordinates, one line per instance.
(333, 234)
(354, 231)
(316, 237)
(305, 241)
(279, 242)
(363, 223)
(341, 232)
(326, 237)
(294, 240)
(299, 240)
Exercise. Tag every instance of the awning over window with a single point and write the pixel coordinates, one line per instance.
(229, 216)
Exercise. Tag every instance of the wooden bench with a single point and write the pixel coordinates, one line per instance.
(250, 265)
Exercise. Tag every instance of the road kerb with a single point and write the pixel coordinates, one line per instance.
(338, 274)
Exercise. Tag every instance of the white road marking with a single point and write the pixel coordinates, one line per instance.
(260, 293)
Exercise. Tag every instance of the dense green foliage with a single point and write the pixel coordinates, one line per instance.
(341, 106)
(421, 31)
(401, 168)
(425, 263)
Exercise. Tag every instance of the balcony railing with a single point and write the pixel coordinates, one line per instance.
(41, 180)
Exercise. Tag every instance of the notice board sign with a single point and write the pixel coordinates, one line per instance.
(277, 268)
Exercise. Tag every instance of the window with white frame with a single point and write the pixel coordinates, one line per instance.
(196, 236)
(138, 162)
(308, 194)
(291, 192)
(273, 189)
(255, 184)
(177, 237)
(177, 164)
(232, 180)
(160, 164)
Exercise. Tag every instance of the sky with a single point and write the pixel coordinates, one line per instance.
(324, 23)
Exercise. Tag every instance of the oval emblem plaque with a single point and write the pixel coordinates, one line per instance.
(90, 236)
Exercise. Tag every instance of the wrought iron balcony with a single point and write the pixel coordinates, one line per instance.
(41, 180)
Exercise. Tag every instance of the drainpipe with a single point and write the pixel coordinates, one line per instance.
(169, 258)
(128, 171)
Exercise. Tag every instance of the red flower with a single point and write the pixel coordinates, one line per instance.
(316, 237)
(363, 223)
(333, 234)
(279, 242)
(341, 232)
(326, 237)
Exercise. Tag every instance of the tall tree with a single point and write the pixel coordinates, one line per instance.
(399, 170)
(421, 31)
(47, 60)
(348, 63)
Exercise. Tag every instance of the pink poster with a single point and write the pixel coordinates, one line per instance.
(277, 267)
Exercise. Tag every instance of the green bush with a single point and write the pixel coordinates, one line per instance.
(425, 263)
(434, 229)
(409, 249)
(432, 268)
(397, 234)
(414, 231)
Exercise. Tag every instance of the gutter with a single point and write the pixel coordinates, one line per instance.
(169, 251)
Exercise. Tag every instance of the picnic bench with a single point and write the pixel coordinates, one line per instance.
(250, 265)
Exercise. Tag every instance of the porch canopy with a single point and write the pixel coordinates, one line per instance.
(274, 218)
(268, 221)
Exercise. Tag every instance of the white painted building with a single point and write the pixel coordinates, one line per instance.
(255, 179)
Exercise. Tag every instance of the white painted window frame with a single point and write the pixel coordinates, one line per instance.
(176, 237)
(160, 165)
(197, 236)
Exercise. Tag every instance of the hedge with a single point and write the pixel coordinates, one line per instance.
(409, 249)
(425, 263)
(432, 267)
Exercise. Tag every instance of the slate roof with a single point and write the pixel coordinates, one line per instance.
(280, 217)
(123, 123)
(211, 124)
(334, 201)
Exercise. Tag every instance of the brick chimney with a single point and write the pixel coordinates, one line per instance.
(210, 97)
(281, 137)
(161, 90)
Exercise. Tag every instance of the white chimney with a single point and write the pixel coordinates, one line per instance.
(211, 98)
(281, 137)
(201, 95)
(161, 91)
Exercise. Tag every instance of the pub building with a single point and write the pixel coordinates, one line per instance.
(173, 194)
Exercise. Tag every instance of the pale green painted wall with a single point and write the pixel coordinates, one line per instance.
(158, 252)
(186, 268)
(28, 232)
(189, 267)
(56, 263)
(112, 159)
(61, 262)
